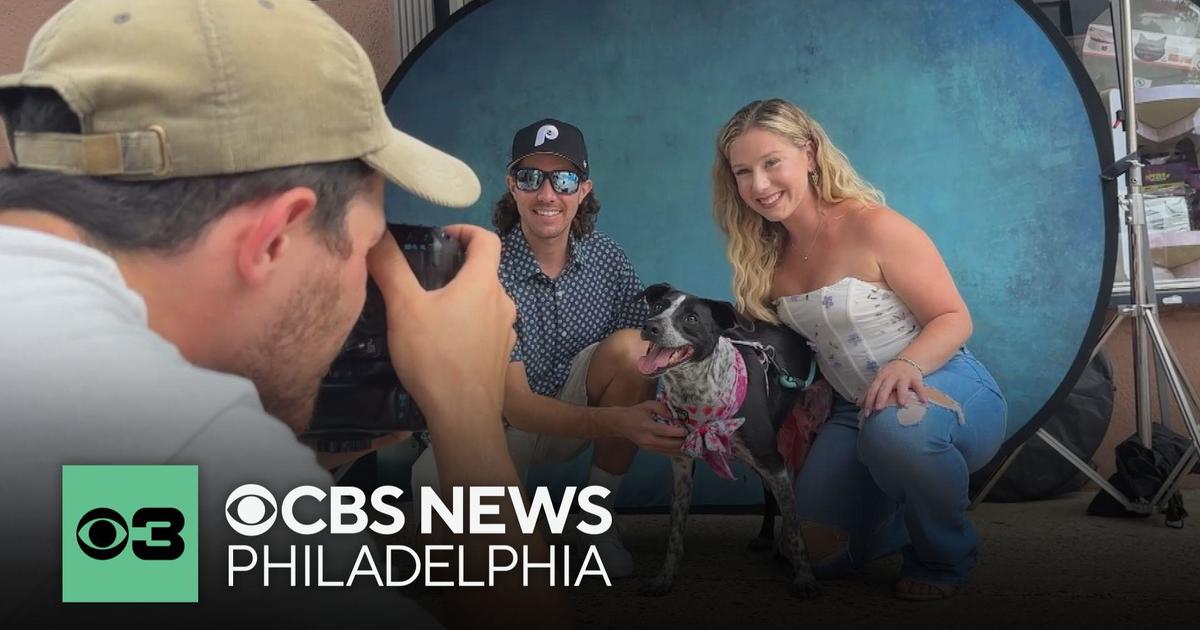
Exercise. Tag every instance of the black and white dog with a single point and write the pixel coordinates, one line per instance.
(720, 383)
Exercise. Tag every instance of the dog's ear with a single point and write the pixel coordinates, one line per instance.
(727, 317)
(654, 292)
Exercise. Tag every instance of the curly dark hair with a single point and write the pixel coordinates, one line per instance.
(505, 215)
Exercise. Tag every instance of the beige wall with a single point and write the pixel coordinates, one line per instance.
(374, 24)
(18, 22)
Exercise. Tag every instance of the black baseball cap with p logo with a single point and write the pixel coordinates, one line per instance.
(552, 137)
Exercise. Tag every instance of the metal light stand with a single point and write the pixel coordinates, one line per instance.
(1148, 332)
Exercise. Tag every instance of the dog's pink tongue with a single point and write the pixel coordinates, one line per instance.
(653, 361)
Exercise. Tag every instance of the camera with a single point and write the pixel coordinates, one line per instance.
(361, 398)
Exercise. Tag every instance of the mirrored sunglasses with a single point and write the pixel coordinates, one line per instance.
(561, 182)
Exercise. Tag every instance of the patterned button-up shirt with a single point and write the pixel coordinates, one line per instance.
(597, 293)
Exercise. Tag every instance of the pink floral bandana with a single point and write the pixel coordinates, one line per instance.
(710, 427)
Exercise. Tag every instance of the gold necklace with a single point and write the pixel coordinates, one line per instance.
(816, 233)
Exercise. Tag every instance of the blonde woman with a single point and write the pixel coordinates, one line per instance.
(813, 246)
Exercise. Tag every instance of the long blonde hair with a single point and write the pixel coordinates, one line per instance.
(753, 242)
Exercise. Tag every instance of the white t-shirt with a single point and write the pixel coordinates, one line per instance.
(83, 380)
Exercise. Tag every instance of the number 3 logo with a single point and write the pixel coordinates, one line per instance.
(102, 533)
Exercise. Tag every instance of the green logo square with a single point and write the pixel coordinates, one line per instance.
(129, 533)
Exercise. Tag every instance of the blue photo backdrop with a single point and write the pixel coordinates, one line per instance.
(972, 118)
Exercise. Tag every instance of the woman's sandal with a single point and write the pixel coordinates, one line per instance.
(919, 591)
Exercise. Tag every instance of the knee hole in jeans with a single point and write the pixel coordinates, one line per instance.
(823, 542)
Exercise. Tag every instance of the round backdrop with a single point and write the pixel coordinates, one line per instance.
(974, 118)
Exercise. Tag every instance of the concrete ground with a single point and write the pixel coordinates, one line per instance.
(1043, 565)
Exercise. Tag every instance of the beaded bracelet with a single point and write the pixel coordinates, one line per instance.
(912, 363)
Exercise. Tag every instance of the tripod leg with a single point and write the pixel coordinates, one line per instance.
(1174, 480)
(1086, 469)
(1107, 332)
(1160, 386)
(991, 482)
(1174, 375)
(1141, 374)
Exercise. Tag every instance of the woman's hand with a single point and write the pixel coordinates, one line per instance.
(892, 385)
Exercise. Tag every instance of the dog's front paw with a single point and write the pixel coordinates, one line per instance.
(657, 587)
(806, 588)
(780, 550)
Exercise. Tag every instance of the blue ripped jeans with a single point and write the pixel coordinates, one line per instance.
(900, 482)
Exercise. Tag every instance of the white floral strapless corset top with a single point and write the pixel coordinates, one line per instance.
(854, 327)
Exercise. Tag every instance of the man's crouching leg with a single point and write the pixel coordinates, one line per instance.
(613, 380)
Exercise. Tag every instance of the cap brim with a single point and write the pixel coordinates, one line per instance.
(575, 164)
(425, 171)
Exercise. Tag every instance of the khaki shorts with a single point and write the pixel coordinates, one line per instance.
(525, 448)
(536, 448)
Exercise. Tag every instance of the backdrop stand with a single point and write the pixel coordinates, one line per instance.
(1148, 334)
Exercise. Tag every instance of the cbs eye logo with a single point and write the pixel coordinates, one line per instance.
(102, 534)
(141, 545)
(251, 510)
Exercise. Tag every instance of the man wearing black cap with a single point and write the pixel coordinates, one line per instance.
(573, 378)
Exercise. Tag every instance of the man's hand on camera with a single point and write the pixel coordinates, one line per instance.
(639, 425)
(449, 346)
(450, 349)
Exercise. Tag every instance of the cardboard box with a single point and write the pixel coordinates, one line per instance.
(1156, 49)
(1174, 249)
(1187, 270)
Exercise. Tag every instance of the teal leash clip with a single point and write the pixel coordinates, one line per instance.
(767, 355)
(789, 382)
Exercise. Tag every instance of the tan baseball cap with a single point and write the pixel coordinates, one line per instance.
(184, 88)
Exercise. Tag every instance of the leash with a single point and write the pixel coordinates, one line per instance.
(766, 355)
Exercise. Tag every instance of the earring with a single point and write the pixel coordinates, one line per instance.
(813, 177)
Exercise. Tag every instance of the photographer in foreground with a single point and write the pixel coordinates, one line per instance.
(185, 237)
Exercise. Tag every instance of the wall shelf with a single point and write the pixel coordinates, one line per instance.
(1166, 114)
(1164, 295)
